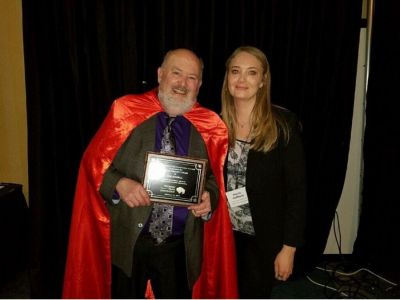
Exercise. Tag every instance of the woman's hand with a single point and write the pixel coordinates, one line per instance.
(284, 263)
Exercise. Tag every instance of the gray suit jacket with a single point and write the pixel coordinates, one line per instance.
(127, 223)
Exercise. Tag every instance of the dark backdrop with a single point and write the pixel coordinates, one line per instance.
(378, 234)
(80, 55)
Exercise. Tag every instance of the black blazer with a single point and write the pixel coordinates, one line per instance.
(276, 187)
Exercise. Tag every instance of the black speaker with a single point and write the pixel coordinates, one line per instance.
(14, 229)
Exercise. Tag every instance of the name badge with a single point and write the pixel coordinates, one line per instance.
(237, 197)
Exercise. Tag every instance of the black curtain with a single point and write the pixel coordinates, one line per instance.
(377, 238)
(80, 55)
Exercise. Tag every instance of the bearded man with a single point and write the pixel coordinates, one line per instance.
(118, 241)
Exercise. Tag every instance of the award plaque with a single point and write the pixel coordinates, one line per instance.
(173, 179)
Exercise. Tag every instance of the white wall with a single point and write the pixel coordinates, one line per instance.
(349, 203)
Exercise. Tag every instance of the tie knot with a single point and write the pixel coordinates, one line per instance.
(170, 120)
(168, 139)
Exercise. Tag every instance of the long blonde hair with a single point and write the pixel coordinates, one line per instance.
(266, 125)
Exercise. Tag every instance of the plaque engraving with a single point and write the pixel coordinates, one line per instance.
(173, 179)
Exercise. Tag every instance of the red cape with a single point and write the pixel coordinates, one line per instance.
(88, 266)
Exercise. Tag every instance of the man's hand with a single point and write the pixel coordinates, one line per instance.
(132, 192)
(203, 208)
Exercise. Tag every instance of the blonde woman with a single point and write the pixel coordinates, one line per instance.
(264, 175)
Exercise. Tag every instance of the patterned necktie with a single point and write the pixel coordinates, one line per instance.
(160, 226)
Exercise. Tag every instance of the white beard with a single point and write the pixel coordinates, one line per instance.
(175, 107)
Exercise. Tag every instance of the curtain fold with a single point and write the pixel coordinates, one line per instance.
(80, 55)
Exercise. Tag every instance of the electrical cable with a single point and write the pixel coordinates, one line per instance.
(325, 286)
(361, 283)
(356, 272)
(338, 240)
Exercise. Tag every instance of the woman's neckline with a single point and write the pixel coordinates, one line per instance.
(242, 141)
